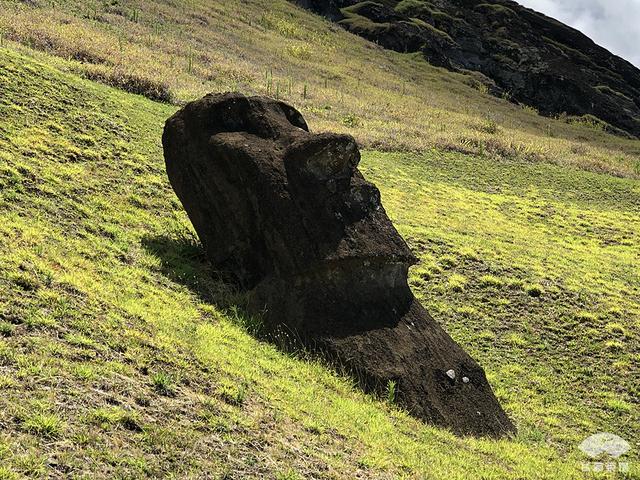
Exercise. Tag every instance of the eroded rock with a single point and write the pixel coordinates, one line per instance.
(287, 214)
(514, 51)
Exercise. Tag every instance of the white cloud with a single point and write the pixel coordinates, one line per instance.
(613, 24)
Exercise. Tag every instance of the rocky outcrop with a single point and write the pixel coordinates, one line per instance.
(527, 56)
(289, 217)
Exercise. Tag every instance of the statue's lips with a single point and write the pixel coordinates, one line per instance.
(356, 269)
(345, 296)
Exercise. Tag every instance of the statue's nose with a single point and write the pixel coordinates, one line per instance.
(322, 158)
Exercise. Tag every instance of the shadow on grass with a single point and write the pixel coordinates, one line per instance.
(183, 261)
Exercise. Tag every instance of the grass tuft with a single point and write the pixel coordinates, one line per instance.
(491, 281)
(457, 282)
(164, 384)
(534, 290)
(47, 425)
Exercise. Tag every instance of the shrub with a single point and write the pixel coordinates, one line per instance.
(351, 121)
(131, 82)
(414, 7)
(594, 123)
(607, 90)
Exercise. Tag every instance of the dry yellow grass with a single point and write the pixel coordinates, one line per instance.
(178, 51)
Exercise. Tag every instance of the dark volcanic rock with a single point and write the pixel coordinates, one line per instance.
(534, 59)
(287, 214)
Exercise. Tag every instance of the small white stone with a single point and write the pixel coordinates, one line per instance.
(451, 374)
(465, 379)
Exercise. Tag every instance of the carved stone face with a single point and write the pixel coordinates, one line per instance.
(268, 198)
(288, 215)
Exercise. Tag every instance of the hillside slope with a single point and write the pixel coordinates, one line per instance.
(340, 82)
(119, 352)
(122, 356)
(524, 54)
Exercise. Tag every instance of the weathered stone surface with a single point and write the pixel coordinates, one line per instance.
(287, 214)
(528, 56)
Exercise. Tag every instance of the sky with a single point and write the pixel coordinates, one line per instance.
(613, 24)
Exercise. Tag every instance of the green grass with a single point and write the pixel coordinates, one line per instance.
(120, 351)
(163, 383)
(43, 425)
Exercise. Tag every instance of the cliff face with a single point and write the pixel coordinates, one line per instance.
(523, 54)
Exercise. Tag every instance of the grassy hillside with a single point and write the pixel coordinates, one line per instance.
(177, 51)
(121, 356)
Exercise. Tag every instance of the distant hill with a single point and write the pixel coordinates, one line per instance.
(521, 54)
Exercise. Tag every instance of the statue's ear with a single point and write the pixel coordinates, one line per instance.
(322, 158)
